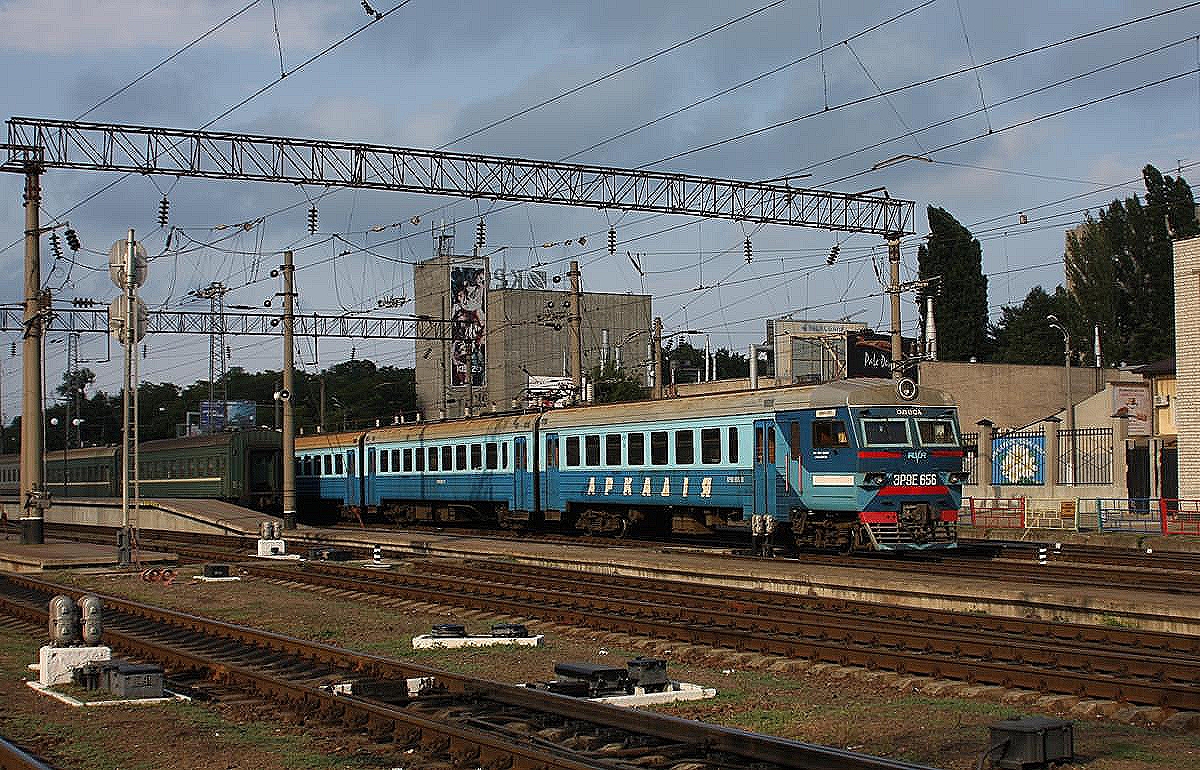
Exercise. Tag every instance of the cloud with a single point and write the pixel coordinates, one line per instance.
(73, 27)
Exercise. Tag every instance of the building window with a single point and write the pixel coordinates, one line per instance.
(658, 447)
(612, 449)
(592, 450)
(572, 451)
(637, 448)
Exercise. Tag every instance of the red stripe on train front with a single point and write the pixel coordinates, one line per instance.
(878, 455)
(938, 490)
(947, 453)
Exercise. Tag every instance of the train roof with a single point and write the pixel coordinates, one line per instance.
(489, 425)
(254, 436)
(875, 392)
(342, 440)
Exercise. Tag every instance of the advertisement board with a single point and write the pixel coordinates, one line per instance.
(468, 323)
(217, 415)
(1133, 401)
(869, 354)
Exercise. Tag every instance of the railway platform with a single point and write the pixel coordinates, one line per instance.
(15, 557)
(197, 516)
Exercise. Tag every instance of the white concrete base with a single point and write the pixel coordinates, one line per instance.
(676, 691)
(377, 565)
(284, 557)
(76, 703)
(55, 664)
(431, 642)
(230, 579)
(271, 547)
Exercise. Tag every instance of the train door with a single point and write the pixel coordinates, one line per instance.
(550, 491)
(764, 467)
(355, 487)
(370, 481)
(520, 474)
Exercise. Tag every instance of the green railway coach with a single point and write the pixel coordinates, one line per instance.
(241, 467)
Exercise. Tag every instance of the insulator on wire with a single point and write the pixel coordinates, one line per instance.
(12, 350)
(480, 234)
(612, 241)
(55, 245)
(833, 254)
(72, 239)
(164, 212)
(749, 252)
(312, 220)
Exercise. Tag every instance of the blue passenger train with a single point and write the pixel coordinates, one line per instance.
(857, 464)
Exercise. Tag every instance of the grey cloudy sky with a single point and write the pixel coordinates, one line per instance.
(431, 73)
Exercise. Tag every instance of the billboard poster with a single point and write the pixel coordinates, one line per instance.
(548, 392)
(1019, 459)
(869, 354)
(1133, 401)
(219, 415)
(468, 321)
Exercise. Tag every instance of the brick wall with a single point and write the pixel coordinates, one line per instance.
(1187, 364)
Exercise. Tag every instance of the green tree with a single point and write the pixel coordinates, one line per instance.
(1023, 335)
(954, 259)
(612, 385)
(1120, 270)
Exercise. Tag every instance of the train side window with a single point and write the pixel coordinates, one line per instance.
(419, 459)
(447, 458)
(504, 454)
(794, 439)
(937, 433)
(710, 446)
(572, 451)
(433, 458)
(612, 449)
(492, 455)
(637, 448)
(771, 444)
(383, 461)
(328, 465)
(591, 446)
(829, 434)
(658, 447)
(758, 445)
(460, 457)
(733, 445)
(408, 453)
(685, 447)
(338, 465)
(395, 461)
(477, 457)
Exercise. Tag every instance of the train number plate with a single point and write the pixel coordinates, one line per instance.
(915, 479)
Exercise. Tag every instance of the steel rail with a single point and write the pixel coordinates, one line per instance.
(465, 744)
(833, 647)
(13, 757)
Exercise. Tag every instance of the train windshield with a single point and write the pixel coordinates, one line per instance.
(937, 432)
(886, 432)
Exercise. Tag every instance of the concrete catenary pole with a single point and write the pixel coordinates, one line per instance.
(656, 355)
(125, 539)
(573, 327)
(32, 486)
(287, 394)
(894, 292)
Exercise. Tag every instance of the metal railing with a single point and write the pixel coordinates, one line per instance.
(1093, 456)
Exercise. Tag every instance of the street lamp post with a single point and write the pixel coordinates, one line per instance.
(1070, 405)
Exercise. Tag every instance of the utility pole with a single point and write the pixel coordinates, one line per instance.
(573, 331)
(215, 294)
(656, 354)
(32, 521)
(894, 292)
(285, 395)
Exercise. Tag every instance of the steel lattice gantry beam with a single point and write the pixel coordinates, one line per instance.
(218, 155)
(200, 322)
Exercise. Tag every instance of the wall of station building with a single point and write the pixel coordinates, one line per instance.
(527, 335)
(1187, 364)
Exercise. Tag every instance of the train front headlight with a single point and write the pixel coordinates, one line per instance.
(874, 479)
(959, 477)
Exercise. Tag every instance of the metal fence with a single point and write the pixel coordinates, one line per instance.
(1093, 456)
(1132, 514)
(1148, 515)
(970, 464)
(1179, 517)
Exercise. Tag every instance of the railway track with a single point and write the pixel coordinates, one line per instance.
(13, 757)
(444, 717)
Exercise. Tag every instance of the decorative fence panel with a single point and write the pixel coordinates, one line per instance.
(1000, 512)
(1019, 457)
(1051, 513)
(1134, 514)
(1093, 456)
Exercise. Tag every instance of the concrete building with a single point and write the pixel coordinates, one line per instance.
(508, 335)
(1187, 365)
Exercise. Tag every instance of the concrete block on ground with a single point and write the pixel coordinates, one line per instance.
(1057, 702)
(1020, 697)
(55, 664)
(1183, 722)
(271, 547)
(676, 691)
(1093, 709)
(431, 642)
